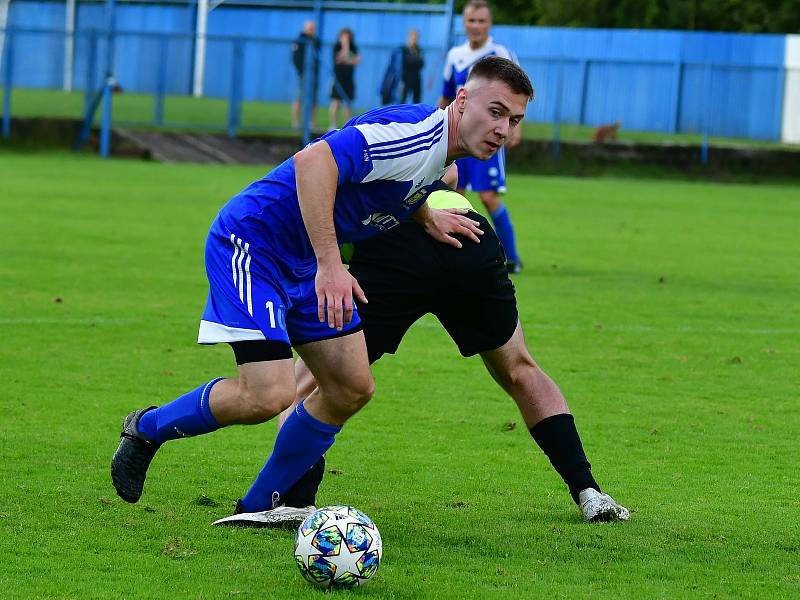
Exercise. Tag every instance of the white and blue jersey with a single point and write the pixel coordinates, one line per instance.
(460, 60)
(259, 259)
(473, 174)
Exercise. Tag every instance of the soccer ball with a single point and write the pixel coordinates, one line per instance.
(338, 547)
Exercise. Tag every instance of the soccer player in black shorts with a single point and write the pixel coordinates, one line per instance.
(406, 274)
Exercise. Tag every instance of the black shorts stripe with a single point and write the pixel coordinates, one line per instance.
(260, 350)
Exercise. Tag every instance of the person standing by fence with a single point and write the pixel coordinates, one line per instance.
(404, 72)
(345, 59)
(306, 37)
(413, 61)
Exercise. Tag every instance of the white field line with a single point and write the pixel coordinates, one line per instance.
(431, 324)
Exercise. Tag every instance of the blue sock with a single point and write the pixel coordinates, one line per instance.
(505, 231)
(185, 416)
(300, 443)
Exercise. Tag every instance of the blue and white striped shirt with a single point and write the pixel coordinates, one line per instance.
(386, 159)
(460, 60)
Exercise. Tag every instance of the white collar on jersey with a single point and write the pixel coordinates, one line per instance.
(489, 41)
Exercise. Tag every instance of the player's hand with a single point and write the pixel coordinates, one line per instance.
(335, 290)
(443, 224)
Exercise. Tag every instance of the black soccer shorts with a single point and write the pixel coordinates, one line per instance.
(405, 274)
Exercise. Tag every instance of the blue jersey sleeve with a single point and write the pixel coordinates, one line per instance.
(350, 152)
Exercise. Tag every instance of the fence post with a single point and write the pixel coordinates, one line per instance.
(706, 112)
(161, 84)
(309, 88)
(311, 64)
(557, 111)
(584, 83)
(781, 75)
(677, 82)
(199, 58)
(69, 44)
(105, 126)
(91, 68)
(8, 62)
(234, 98)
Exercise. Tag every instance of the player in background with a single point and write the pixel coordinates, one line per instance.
(277, 280)
(487, 178)
(406, 275)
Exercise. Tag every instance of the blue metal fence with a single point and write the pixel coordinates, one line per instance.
(656, 80)
(716, 84)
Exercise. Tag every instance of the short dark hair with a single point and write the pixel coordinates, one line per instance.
(476, 4)
(495, 68)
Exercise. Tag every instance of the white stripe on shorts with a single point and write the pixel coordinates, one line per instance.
(233, 258)
(249, 288)
(239, 267)
(241, 272)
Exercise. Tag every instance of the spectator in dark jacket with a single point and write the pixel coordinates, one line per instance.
(306, 37)
(413, 61)
(404, 72)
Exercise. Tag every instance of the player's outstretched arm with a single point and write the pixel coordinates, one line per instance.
(316, 176)
(443, 224)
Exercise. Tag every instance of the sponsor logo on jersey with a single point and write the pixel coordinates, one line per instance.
(381, 221)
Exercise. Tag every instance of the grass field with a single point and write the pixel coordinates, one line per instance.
(186, 112)
(667, 311)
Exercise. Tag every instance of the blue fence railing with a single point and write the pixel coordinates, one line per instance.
(712, 98)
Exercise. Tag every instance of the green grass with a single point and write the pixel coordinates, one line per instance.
(667, 312)
(212, 113)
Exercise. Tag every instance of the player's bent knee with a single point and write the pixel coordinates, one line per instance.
(261, 404)
(517, 372)
(525, 371)
(491, 200)
(358, 395)
(349, 398)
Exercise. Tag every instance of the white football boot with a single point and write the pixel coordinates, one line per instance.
(280, 516)
(597, 507)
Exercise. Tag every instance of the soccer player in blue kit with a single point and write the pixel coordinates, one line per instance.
(277, 280)
(407, 274)
(487, 177)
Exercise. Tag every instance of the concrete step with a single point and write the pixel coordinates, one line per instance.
(207, 147)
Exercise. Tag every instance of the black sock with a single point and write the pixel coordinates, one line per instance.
(559, 439)
(304, 492)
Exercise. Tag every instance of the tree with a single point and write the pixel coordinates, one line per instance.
(751, 16)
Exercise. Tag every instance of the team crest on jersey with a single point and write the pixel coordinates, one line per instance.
(382, 221)
(414, 198)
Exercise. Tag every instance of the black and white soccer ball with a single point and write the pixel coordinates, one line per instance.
(338, 547)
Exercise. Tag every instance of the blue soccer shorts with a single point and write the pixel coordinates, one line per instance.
(256, 294)
(483, 175)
